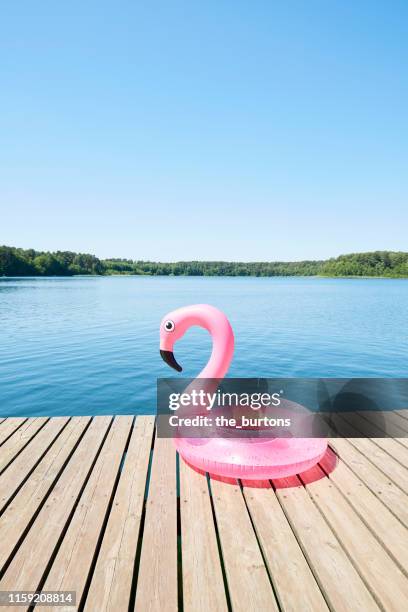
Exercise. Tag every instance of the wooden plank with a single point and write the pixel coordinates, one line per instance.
(403, 413)
(389, 445)
(342, 586)
(27, 566)
(399, 420)
(17, 516)
(248, 582)
(72, 563)
(379, 455)
(384, 525)
(203, 585)
(9, 426)
(380, 458)
(384, 578)
(392, 428)
(112, 579)
(21, 437)
(12, 478)
(378, 482)
(363, 495)
(157, 579)
(294, 583)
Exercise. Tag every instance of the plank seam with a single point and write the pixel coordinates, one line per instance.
(13, 432)
(180, 600)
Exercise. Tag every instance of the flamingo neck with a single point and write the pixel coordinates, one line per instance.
(223, 346)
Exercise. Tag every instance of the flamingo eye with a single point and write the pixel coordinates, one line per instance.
(169, 326)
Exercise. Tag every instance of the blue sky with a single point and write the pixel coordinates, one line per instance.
(204, 130)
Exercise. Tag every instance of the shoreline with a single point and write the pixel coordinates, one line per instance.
(124, 275)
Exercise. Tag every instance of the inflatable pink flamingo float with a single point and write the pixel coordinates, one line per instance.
(246, 458)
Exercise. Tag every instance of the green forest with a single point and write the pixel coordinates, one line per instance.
(29, 262)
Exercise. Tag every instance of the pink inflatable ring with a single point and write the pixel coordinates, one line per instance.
(246, 458)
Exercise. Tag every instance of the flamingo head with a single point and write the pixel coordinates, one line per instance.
(172, 327)
(175, 324)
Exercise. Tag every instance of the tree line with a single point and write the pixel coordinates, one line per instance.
(29, 262)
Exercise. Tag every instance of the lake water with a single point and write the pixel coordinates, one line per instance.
(89, 345)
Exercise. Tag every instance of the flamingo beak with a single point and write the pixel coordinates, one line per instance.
(168, 357)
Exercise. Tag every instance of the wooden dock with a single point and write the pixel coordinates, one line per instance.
(103, 508)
